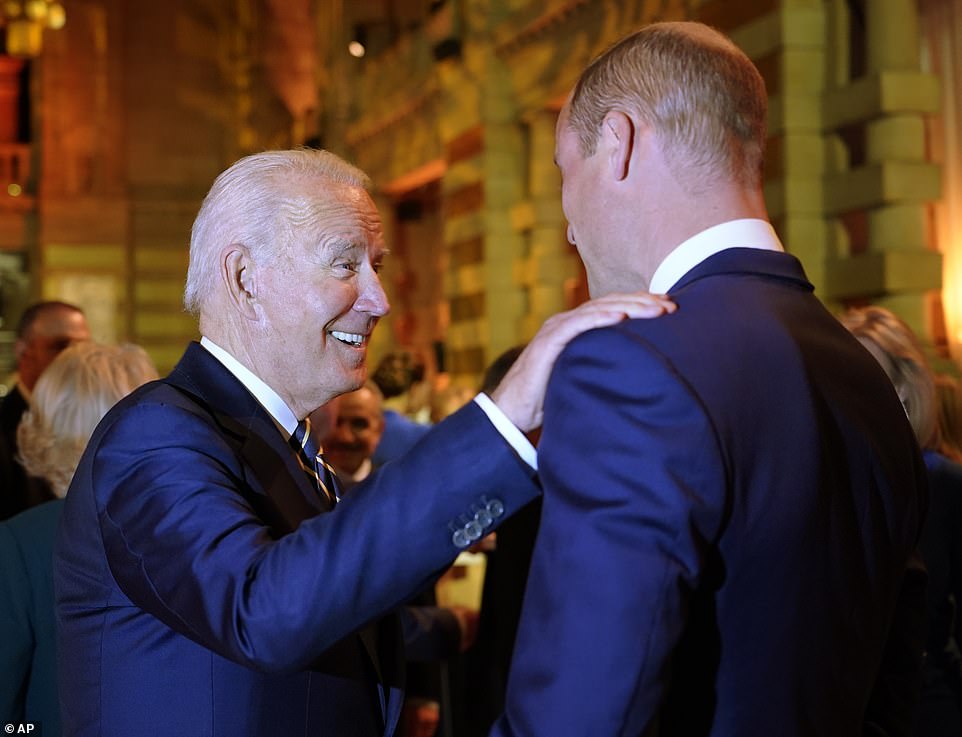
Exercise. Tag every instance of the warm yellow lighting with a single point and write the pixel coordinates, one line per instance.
(25, 22)
(24, 38)
(952, 295)
(14, 190)
(356, 49)
(56, 17)
(35, 9)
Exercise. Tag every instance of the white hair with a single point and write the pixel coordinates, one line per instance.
(70, 398)
(257, 202)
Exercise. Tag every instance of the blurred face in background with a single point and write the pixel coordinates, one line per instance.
(53, 330)
(356, 432)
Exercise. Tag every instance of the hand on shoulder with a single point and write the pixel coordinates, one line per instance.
(521, 394)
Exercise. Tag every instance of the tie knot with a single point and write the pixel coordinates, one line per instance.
(303, 440)
(312, 462)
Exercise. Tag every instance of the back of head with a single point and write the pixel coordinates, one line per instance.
(394, 374)
(499, 367)
(45, 329)
(258, 202)
(70, 398)
(37, 310)
(698, 91)
(897, 349)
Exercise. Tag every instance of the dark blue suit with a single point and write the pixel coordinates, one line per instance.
(200, 590)
(732, 493)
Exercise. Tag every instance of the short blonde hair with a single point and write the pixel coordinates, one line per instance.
(258, 202)
(906, 366)
(697, 90)
(70, 398)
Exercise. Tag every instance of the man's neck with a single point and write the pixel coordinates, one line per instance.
(689, 215)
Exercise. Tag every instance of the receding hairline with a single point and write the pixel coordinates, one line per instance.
(42, 310)
(695, 87)
(701, 33)
(258, 193)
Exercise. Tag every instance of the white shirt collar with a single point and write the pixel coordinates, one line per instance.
(745, 233)
(268, 398)
(362, 472)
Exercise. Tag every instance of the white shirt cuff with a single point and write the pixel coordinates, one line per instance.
(515, 438)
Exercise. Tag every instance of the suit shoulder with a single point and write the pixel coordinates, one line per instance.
(626, 339)
(153, 416)
(155, 396)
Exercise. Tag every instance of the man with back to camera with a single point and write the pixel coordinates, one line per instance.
(43, 331)
(732, 492)
(201, 588)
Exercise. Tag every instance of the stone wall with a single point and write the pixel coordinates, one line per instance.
(471, 99)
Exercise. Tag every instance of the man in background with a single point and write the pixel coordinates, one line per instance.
(357, 426)
(44, 330)
(731, 493)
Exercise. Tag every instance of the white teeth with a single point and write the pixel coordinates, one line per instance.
(351, 338)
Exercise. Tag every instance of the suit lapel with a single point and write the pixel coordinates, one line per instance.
(270, 463)
(278, 489)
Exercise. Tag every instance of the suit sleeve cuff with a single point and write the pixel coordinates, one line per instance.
(512, 435)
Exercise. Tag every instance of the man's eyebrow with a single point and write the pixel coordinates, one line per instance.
(341, 246)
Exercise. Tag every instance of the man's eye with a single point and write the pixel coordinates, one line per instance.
(347, 266)
(377, 266)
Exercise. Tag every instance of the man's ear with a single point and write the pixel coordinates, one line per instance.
(618, 135)
(237, 271)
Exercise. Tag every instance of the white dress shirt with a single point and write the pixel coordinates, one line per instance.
(287, 421)
(745, 233)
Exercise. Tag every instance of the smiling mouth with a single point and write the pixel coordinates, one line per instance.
(352, 339)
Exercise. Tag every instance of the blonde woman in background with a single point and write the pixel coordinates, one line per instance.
(896, 348)
(68, 401)
(949, 392)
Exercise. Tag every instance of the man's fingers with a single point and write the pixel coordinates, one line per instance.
(632, 305)
(521, 393)
(605, 311)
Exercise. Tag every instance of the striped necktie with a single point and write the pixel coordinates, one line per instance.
(312, 462)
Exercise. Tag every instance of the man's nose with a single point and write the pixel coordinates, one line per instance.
(372, 299)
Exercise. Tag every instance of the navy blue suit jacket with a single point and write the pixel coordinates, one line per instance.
(732, 493)
(201, 591)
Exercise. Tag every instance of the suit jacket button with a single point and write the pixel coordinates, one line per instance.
(460, 539)
(483, 517)
(473, 531)
(496, 508)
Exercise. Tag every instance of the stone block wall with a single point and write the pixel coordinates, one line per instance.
(847, 181)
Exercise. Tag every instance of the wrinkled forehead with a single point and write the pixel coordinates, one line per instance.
(335, 213)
